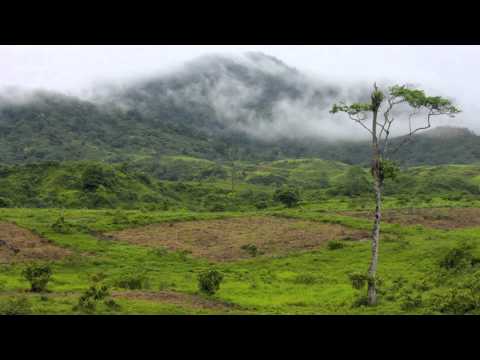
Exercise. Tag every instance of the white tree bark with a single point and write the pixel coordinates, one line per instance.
(372, 270)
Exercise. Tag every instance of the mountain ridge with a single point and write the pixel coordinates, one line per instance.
(251, 105)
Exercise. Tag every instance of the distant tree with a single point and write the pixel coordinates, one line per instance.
(418, 104)
(287, 196)
(95, 176)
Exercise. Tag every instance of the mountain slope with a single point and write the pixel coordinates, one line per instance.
(216, 107)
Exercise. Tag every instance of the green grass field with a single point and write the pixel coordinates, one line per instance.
(308, 282)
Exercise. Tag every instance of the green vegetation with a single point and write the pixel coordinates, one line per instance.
(318, 281)
(102, 186)
(38, 275)
(209, 282)
(424, 270)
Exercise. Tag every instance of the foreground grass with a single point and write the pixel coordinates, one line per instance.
(313, 282)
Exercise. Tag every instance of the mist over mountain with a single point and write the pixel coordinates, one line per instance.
(253, 104)
(256, 94)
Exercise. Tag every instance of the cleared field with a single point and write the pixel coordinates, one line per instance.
(222, 240)
(439, 218)
(18, 244)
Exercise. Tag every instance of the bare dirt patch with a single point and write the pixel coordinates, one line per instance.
(222, 240)
(181, 299)
(18, 244)
(439, 218)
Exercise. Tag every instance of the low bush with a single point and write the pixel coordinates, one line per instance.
(133, 282)
(89, 300)
(289, 197)
(251, 249)
(335, 245)
(358, 280)
(409, 301)
(455, 302)
(38, 275)
(209, 282)
(458, 258)
(361, 300)
(62, 227)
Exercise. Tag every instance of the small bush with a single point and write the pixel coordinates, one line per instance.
(209, 282)
(38, 275)
(62, 227)
(133, 282)
(455, 302)
(16, 306)
(89, 300)
(251, 249)
(335, 245)
(409, 301)
(358, 280)
(361, 300)
(459, 257)
(288, 196)
(261, 204)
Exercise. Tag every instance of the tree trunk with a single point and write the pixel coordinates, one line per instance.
(378, 182)
(233, 176)
(372, 270)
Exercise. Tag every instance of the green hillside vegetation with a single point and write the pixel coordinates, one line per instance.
(180, 182)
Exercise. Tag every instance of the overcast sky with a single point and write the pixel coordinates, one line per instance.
(449, 70)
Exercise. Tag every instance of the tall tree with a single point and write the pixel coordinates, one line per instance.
(416, 104)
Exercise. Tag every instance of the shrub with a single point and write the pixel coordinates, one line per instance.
(261, 204)
(38, 275)
(358, 280)
(455, 301)
(409, 301)
(16, 306)
(361, 300)
(458, 257)
(133, 282)
(287, 196)
(209, 282)
(334, 245)
(92, 296)
(4, 203)
(61, 227)
(215, 203)
(251, 249)
(95, 176)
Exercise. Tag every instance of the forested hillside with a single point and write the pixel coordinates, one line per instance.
(214, 108)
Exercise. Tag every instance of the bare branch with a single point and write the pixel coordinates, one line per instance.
(360, 120)
(408, 137)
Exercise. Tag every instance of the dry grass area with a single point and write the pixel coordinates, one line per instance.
(439, 218)
(180, 299)
(222, 240)
(18, 244)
